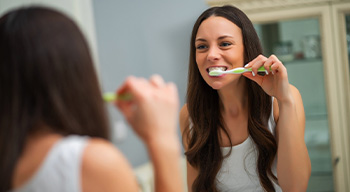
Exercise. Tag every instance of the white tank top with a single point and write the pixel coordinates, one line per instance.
(61, 169)
(239, 170)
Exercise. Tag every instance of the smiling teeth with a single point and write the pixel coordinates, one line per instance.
(217, 69)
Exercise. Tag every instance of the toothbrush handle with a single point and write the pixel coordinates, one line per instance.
(261, 70)
(110, 97)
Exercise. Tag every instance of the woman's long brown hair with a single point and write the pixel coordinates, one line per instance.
(46, 77)
(203, 151)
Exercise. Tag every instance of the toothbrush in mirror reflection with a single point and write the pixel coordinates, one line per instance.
(238, 70)
(111, 96)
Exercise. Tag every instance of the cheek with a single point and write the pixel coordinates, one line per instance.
(199, 59)
(237, 58)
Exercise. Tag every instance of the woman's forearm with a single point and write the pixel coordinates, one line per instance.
(293, 162)
(166, 155)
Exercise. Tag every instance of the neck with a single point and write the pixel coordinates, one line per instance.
(42, 132)
(234, 97)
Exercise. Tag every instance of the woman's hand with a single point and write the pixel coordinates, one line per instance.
(153, 109)
(152, 112)
(275, 82)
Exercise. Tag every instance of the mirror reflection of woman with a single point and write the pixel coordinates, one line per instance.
(240, 132)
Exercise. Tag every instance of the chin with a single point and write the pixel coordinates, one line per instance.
(216, 85)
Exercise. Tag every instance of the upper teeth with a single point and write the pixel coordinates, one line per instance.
(217, 69)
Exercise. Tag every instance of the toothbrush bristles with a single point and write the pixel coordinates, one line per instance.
(215, 73)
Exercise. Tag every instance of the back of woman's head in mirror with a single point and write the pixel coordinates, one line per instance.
(47, 78)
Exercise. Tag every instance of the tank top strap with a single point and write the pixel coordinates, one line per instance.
(271, 122)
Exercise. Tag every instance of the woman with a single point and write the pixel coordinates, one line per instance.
(241, 132)
(53, 124)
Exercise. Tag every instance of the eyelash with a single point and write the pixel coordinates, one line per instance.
(226, 44)
(200, 47)
(223, 44)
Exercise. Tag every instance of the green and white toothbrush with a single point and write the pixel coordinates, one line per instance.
(238, 70)
(111, 96)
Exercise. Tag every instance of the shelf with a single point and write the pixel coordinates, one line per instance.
(321, 116)
(302, 61)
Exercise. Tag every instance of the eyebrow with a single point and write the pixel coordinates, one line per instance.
(221, 37)
(201, 40)
(225, 36)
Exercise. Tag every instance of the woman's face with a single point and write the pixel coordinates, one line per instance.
(219, 43)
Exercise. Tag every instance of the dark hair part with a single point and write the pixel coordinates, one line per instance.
(47, 77)
(204, 111)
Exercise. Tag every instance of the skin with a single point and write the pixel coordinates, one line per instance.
(104, 168)
(219, 43)
(154, 119)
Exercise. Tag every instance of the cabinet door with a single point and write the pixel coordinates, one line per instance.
(297, 43)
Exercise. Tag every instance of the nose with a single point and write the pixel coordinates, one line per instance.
(213, 54)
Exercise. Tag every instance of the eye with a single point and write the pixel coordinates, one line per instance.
(225, 44)
(201, 47)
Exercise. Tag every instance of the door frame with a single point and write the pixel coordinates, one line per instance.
(339, 10)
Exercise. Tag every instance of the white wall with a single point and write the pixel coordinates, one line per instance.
(142, 38)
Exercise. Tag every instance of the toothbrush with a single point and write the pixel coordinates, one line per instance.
(238, 70)
(110, 97)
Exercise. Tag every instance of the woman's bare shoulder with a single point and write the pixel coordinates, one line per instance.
(184, 117)
(298, 101)
(184, 124)
(104, 168)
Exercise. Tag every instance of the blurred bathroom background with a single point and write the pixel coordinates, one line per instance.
(142, 38)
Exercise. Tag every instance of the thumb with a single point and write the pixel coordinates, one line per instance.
(256, 78)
